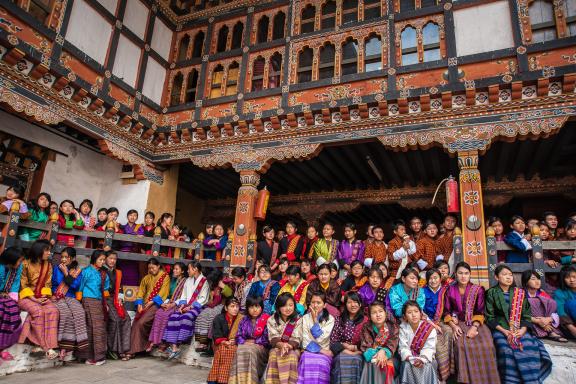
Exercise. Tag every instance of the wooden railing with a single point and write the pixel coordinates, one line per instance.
(11, 224)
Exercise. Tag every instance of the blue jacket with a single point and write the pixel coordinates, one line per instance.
(521, 252)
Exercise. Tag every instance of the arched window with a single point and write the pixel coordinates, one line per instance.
(326, 68)
(542, 21)
(407, 5)
(349, 11)
(237, 33)
(176, 89)
(216, 84)
(307, 19)
(275, 71)
(305, 65)
(191, 85)
(183, 47)
(373, 54)
(232, 79)
(427, 3)
(222, 39)
(198, 44)
(258, 74)
(371, 9)
(328, 15)
(409, 46)
(349, 63)
(279, 26)
(262, 35)
(431, 42)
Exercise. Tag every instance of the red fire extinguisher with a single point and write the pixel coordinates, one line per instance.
(262, 204)
(452, 202)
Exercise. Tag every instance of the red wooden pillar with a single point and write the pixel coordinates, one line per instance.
(244, 222)
(472, 210)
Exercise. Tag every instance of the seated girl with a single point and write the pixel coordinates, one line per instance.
(544, 317)
(473, 355)
(408, 289)
(329, 288)
(252, 338)
(39, 210)
(522, 357)
(179, 275)
(345, 342)
(72, 333)
(14, 194)
(378, 346)
(266, 288)
(69, 218)
(519, 241)
(93, 292)
(565, 297)
(306, 268)
(373, 290)
(181, 323)
(242, 285)
(444, 269)
(316, 359)
(280, 274)
(356, 279)
(297, 287)
(417, 347)
(224, 334)
(285, 332)
(41, 325)
(10, 322)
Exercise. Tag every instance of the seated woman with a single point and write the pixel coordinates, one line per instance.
(10, 322)
(407, 290)
(266, 288)
(373, 290)
(280, 274)
(348, 362)
(93, 292)
(473, 355)
(242, 285)
(153, 290)
(565, 297)
(224, 334)
(378, 346)
(316, 359)
(435, 294)
(356, 279)
(522, 357)
(252, 339)
(544, 318)
(329, 288)
(297, 287)
(219, 290)
(39, 210)
(181, 323)
(417, 347)
(307, 273)
(567, 257)
(519, 241)
(179, 275)
(41, 325)
(72, 332)
(285, 333)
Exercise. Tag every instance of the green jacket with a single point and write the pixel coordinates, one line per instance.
(497, 310)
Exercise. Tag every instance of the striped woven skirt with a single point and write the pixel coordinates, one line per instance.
(475, 359)
(282, 369)
(10, 322)
(371, 374)
(314, 368)
(203, 327)
(140, 331)
(41, 325)
(346, 369)
(444, 346)
(159, 325)
(180, 328)
(118, 330)
(96, 325)
(223, 358)
(531, 365)
(72, 333)
(427, 374)
(249, 364)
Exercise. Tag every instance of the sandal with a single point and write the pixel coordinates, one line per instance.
(51, 354)
(124, 357)
(174, 355)
(149, 348)
(558, 338)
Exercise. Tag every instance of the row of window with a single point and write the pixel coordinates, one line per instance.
(547, 17)
(328, 11)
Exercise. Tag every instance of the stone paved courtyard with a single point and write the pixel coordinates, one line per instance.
(141, 370)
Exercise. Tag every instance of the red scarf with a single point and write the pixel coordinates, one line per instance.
(300, 290)
(420, 337)
(292, 245)
(197, 291)
(308, 248)
(157, 287)
(470, 303)
(260, 325)
(63, 288)
(289, 329)
(44, 268)
(380, 341)
(516, 302)
(178, 290)
(119, 307)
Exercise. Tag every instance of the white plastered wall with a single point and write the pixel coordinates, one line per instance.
(127, 61)
(154, 80)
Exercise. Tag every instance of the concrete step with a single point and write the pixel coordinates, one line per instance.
(25, 361)
(563, 357)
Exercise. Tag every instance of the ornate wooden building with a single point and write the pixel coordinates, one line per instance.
(345, 110)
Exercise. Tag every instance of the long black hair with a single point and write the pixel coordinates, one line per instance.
(351, 296)
(281, 301)
(11, 255)
(252, 301)
(34, 206)
(325, 315)
(72, 216)
(182, 267)
(96, 254)
(72, 253)
(564, 272)
(37, 250)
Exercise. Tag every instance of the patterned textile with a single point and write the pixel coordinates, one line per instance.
(159, 324)
(72, 332)
(118, 330)
(371, 374)
(410, 374)
(282, 369)
(249, 364)
(41, 325)
(10, 323)
(475, 358)
(543, 306)
(180, 327)
(314, 368)
(346, 369)
(204, 322)
(140, 331)
(376, 251)
(224, 355)
(444, 350)
(96, 326)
